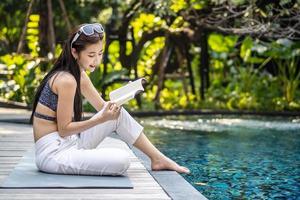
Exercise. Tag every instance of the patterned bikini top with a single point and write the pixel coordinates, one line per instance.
(47, 98)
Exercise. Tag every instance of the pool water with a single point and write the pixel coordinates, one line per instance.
(233, 158)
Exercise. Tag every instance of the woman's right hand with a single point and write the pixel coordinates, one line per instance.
(110, 111)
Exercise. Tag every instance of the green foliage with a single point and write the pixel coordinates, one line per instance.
(178, 5)
(219, 43)
(173, 97)
(22, 78)
(148, 56)
(286, 55)
(248, 89)
(99, 82)
(145, 22)
(247, 85)
(12, 19)
(238, 75)
(248, 48)
(32, 35)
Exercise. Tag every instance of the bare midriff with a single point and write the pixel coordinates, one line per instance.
(42, 127)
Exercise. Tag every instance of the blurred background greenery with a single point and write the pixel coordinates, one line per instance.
(195, 54)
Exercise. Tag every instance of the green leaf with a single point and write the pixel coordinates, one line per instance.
(178, 5)
(216, 43)
(256, 60)
(246, 46)
(32, 31)
(111, 77)
(34, 17)
(32, 24)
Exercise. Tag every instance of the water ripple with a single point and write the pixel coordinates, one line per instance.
(224, 124)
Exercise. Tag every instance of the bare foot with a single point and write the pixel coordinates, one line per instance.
(165, 163)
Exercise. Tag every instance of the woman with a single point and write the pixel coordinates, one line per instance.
(67, 144)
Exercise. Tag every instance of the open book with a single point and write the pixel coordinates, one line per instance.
(127, 92)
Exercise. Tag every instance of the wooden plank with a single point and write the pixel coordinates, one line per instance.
(12, 153)
(79, 191)
(7, 165)
(10, 159)
(17, 140)
(11, 143)
(93, 196)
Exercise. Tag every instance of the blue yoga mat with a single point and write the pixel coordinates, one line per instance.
(26, 175)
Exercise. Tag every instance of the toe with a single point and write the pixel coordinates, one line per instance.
(184, 170)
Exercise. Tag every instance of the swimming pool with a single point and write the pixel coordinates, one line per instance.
(233, 158)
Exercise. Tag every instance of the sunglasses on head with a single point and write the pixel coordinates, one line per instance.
(88, 29)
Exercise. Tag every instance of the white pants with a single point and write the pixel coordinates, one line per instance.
(78, 155)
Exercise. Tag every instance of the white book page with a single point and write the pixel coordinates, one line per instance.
(125, 93)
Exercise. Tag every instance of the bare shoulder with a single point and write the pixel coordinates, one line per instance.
(65, 80)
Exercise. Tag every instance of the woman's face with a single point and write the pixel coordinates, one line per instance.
(90, 57)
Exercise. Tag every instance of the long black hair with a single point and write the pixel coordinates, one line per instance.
(66, 62)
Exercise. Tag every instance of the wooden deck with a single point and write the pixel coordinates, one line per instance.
(16, 139)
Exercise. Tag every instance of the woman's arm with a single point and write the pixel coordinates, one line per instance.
(66, 88)
(90, 93)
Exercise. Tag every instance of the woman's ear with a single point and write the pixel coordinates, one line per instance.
(74, 53)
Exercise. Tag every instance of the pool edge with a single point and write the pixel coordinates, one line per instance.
(166, 179)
